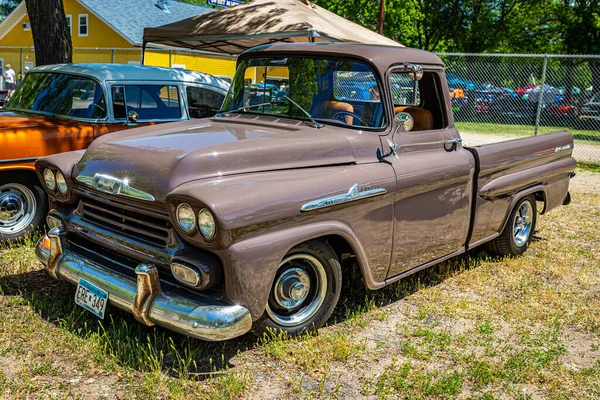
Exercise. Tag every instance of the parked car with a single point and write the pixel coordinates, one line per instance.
(60, 108)
(590, 112)
(561, 108)
(250, 219)
(513, 110)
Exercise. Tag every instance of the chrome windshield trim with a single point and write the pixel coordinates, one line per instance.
(353, 194)
(112, 185)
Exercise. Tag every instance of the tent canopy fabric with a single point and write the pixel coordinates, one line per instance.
(235, 29)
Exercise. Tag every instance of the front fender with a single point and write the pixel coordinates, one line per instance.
(253, 262)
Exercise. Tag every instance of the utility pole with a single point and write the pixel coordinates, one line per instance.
(381, 15)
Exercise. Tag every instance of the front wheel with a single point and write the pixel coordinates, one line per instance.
(23, 207)
(305, 291)
(518, 232)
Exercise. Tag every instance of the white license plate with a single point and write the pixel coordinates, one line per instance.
(91, 297)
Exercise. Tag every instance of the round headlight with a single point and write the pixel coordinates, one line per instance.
(206, 223)
(186, 218)
(49, 179)
(61, 183)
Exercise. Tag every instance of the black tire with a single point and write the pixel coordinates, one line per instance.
(271, 320)
(20, 188)
(509, 243)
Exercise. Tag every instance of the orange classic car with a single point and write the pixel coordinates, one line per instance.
(59, 108)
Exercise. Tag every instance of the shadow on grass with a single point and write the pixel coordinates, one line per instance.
(119, 337)
(356, 298)
(122, 339)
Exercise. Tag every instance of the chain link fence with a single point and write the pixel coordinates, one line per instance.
(497, 97)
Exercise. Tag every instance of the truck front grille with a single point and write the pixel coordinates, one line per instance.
(147, 226)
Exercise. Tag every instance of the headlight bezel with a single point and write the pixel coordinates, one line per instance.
(47, 173)
(195, 237)
(58, 176)
(210, 227)
(185, 207)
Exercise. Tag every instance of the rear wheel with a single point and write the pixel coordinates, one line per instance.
(305, 291)
(23, 206)
(518, 232)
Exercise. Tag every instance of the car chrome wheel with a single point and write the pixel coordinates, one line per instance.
(17, 208)
(299, 290)
(522, 223)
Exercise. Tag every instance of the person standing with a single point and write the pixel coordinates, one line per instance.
(9, 81)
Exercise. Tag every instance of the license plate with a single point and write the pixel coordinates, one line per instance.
(91, 297)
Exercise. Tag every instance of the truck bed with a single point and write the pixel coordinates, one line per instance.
(541, 165)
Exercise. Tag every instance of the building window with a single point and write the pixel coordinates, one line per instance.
(70, 23)
(83, 24)
(26, 26)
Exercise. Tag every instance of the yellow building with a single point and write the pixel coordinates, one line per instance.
(111, 31)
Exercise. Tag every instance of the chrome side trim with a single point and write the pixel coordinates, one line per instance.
(353, 194)
(18, 160)
(143, 296)
(112, 185)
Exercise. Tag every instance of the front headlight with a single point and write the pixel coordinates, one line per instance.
(61, 183)
(206, 224)
(186, 218)
(49, 179)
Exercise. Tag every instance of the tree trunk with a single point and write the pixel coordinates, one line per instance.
(51, 36)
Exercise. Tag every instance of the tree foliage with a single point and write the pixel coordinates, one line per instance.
(7, 6)
(473, 26)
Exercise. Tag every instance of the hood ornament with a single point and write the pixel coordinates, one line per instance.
(353, 194)
(115, 186)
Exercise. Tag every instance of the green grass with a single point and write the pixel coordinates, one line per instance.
(473, 327)
(588, 166)
(588, 136)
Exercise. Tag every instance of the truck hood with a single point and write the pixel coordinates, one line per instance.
(157, 159)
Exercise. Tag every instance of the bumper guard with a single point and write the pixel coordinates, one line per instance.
(143, 297)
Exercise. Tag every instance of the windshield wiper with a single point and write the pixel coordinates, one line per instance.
(317, 125)
(226, 113)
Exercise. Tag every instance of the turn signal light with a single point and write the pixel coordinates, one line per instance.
(185, 274)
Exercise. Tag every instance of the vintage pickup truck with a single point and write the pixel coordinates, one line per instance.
(59, 108)
(248, 220)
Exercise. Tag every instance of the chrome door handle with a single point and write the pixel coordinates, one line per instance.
(453, 141)
(453, 144)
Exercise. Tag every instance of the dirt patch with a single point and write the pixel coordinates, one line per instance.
(586, 182)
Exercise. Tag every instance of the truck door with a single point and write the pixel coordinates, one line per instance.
(434, 174)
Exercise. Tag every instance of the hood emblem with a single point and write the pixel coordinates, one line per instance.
(353, 194)
(112, 185)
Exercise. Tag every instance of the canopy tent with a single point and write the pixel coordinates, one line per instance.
(235, 29)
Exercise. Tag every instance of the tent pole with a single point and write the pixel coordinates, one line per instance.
(143, 52)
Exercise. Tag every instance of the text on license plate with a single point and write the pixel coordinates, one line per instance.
(91, 297)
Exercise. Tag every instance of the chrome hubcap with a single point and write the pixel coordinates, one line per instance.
(291, 288)
(299, 290)
(17, 208)
(522, 223)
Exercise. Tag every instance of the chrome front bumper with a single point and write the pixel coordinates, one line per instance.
(143, 297)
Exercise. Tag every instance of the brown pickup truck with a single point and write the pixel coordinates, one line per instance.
(248, 220)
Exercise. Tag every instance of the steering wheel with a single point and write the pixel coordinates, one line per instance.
(340, 116)
(98, 106)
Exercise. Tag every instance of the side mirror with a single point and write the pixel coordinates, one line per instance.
(403, 122)
(132, 118)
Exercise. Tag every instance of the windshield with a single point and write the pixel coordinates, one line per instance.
(59, 94)
(338, 91)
